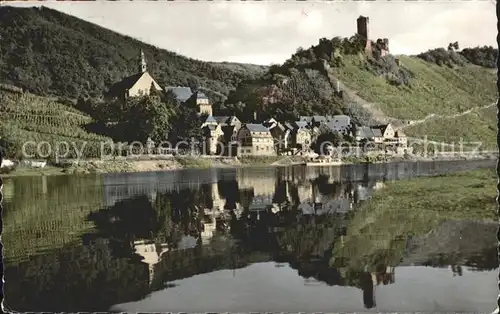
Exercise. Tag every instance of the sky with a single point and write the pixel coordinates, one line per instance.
(270, 32)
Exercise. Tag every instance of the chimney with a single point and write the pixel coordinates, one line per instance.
(255, 116)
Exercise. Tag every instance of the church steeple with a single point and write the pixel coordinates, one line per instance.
(142, 63)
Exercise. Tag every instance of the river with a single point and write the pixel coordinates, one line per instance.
(226, 240)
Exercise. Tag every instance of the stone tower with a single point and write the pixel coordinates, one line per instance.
(363, 31)
(363, 26)
(142, 63)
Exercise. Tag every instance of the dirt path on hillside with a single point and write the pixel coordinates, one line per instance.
(378, 114)
(353, 96)
(456, 115)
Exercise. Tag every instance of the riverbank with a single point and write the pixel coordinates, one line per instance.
(139, 165)
(177, 163)
(414, 209)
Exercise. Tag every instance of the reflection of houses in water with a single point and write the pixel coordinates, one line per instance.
(384, 277)
(261, 202)
(209, 228)
(368, 284)
(332, 206)
(261, 185)
(217, 201)
(152, 253)
(118, 187)
(305, 192)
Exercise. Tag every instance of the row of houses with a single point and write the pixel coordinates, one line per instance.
(272, 137)
(227, 134)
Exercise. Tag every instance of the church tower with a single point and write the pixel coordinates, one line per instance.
(142, 63)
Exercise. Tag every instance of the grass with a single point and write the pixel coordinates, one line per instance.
(434, 89)
(259, 160)
(478, 125)
(24, 172)
(379, 229)
(194, 162)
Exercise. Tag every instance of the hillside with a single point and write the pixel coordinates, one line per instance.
(50, 53)
(27, 117)
(445, 94)
(398, 89)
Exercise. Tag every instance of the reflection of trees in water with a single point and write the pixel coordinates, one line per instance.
(105, 272)
(484, 260)
(86, 278)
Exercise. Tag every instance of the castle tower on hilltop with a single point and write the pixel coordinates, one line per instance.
(142, 63)
(363, 26)
(363, 31)
(381, 46)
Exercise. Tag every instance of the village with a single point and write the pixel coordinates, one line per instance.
(229, 136)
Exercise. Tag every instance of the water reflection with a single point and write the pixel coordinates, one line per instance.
(115, 239)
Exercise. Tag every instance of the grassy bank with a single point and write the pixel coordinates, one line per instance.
(379, 230)
(177, 163)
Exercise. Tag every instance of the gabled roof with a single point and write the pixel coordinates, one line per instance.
(181, 93)
(319, 118)
(329, 126)
(234, 118)
(221, 119)
(376, 132)
(365, 132)
(381, 127)
(252, 127)
(281, 126)
(289, 126)
(271, 120)
(211, 119)
(301, 124)
(124, 84)
(342, 117)
(201, 95)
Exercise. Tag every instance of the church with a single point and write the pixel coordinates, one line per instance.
(135, 85)
(142, 83)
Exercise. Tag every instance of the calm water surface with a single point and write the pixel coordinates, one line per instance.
(227, 240)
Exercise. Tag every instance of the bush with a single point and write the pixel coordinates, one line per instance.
(441, 56)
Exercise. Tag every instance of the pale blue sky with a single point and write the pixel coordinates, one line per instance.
(269, 32)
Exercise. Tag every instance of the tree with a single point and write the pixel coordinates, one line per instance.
(187, 125)
(147, 116)
(333, 138)
(153, 91)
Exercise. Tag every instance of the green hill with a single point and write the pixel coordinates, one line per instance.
(398, 89)
(27, 117)
(51, 53)
(435, 93)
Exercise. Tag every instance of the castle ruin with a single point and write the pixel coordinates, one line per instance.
(381, 46)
